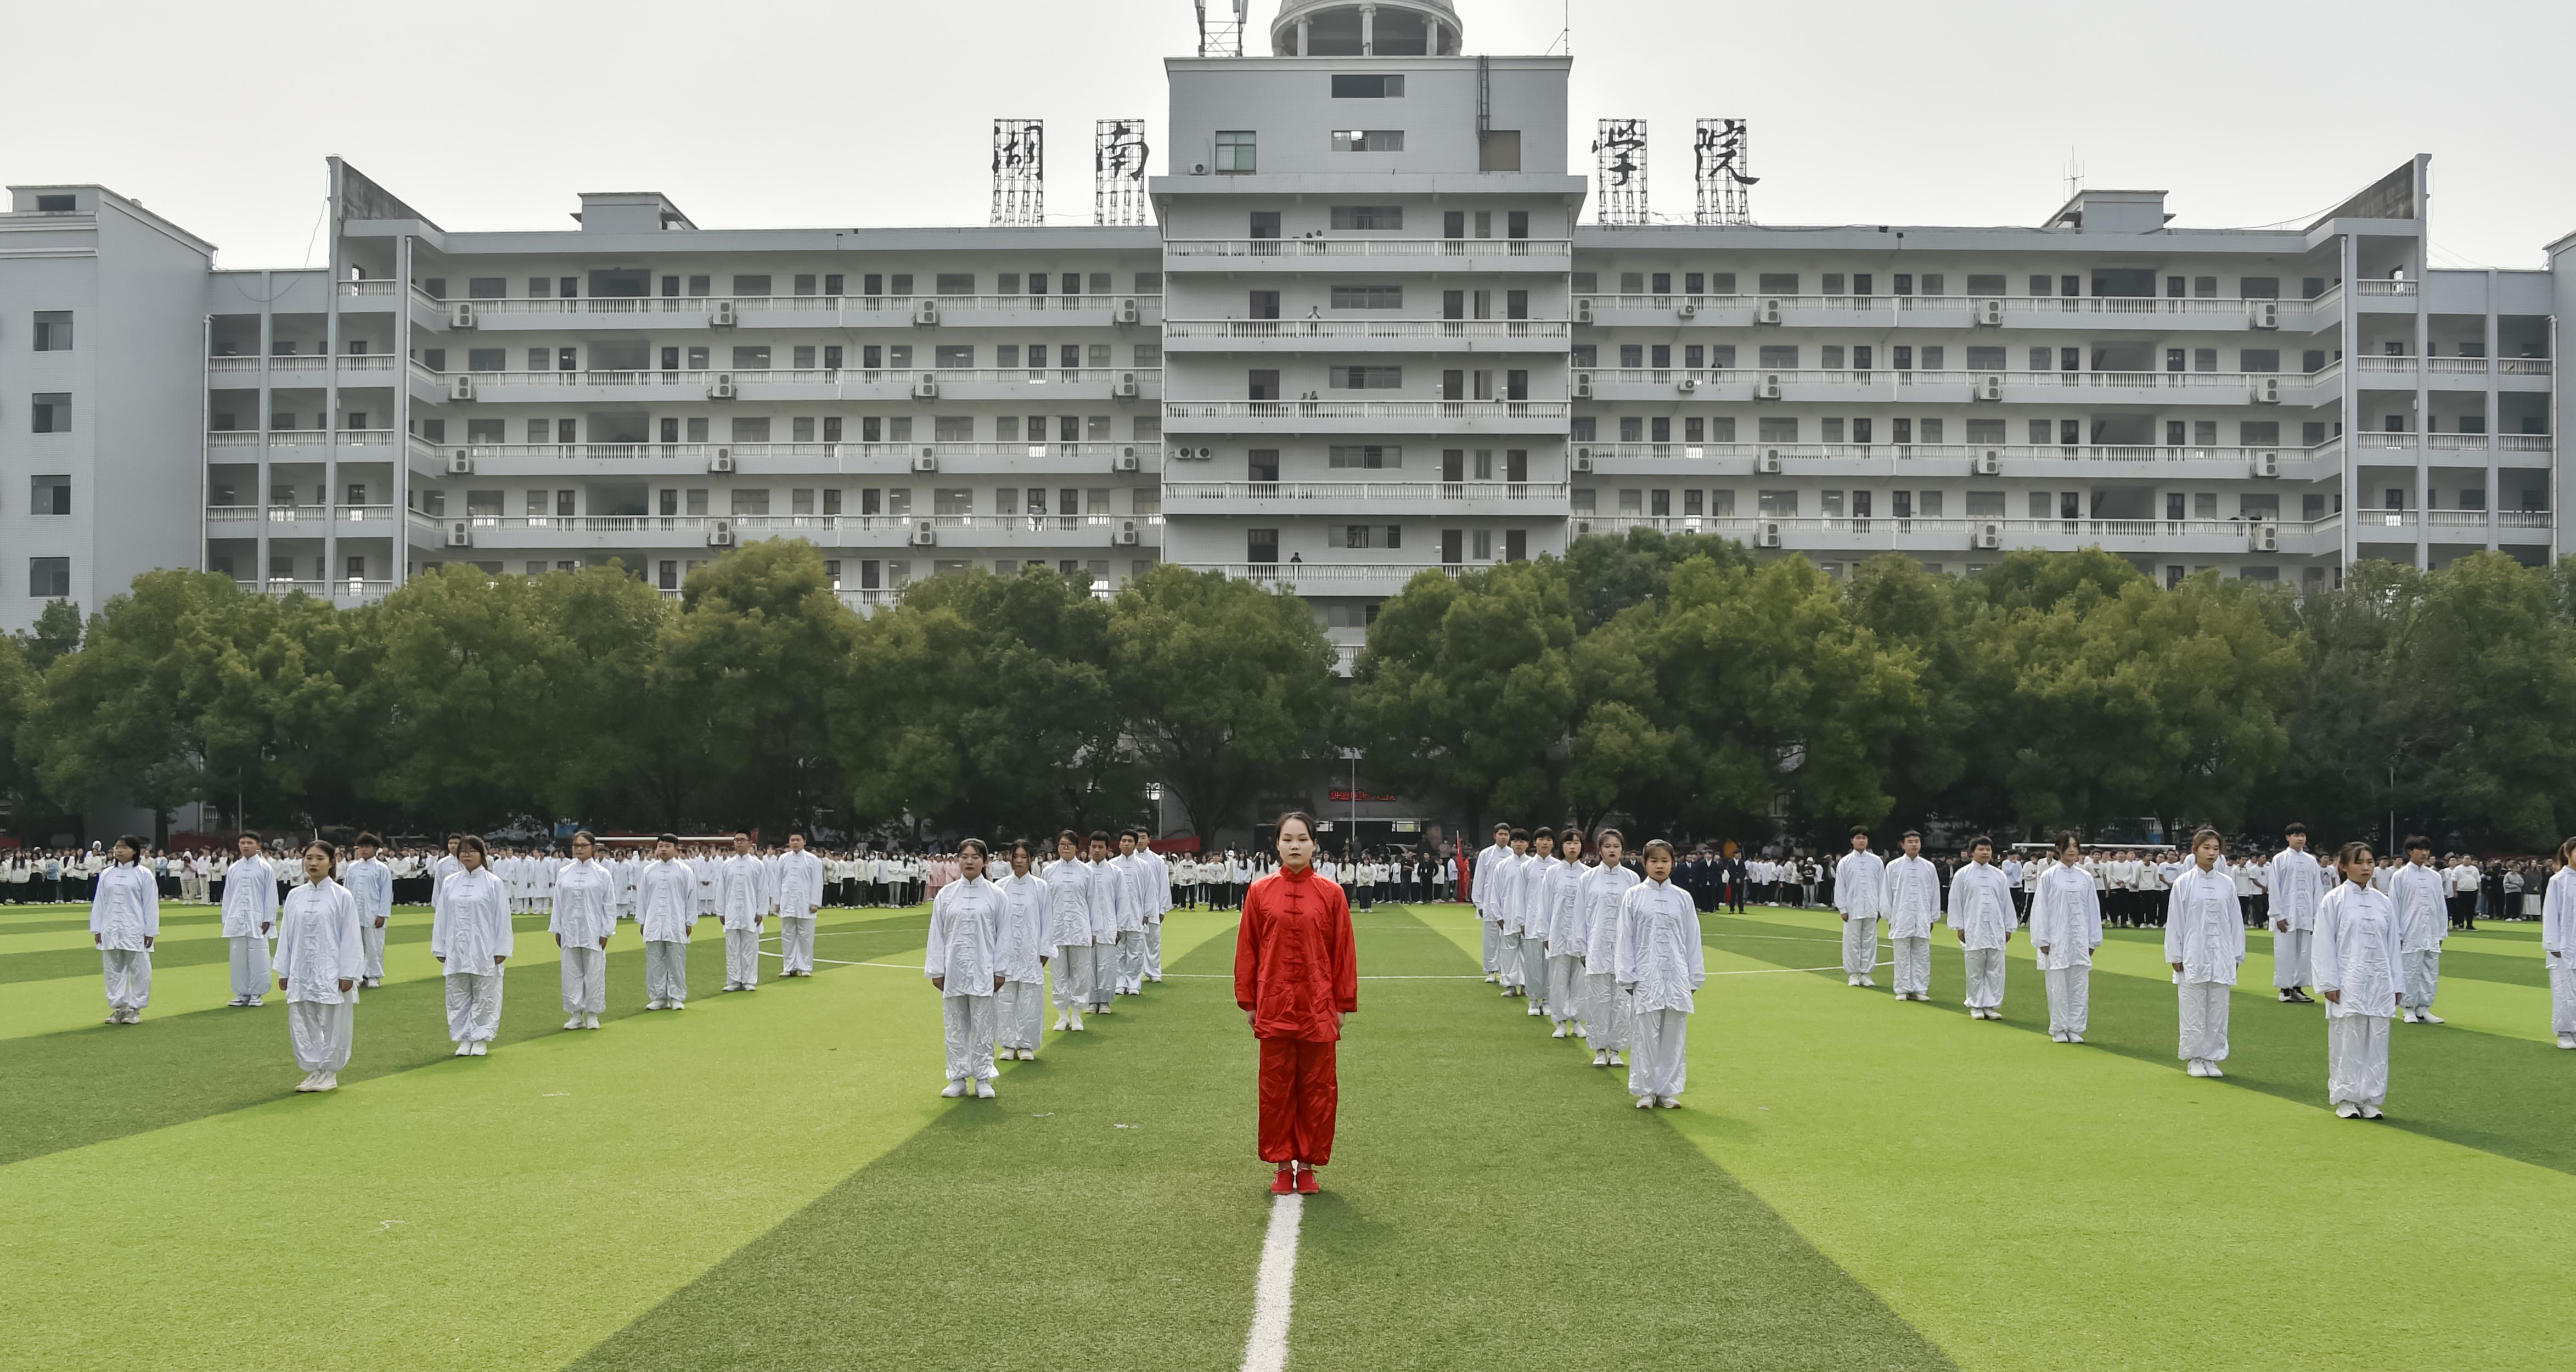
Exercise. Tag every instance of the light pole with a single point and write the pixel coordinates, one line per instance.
(1351, 844)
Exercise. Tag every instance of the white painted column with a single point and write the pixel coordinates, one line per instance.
(1368, 30)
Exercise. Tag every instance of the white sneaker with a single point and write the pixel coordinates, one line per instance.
(1601, 1059)
(1076, 1025)
(1489, 977)
(482, 1048)
(590, 1021)
(1850, 980)
(2564, 1040)
(465, 1050)
(2212, 1070)
(2197, 1068)
(1536, 1011)
(2056, 1037)
(307, 1083)
(1645, 1102)
(573, 1023)
(953, 1090)
(1582, 1032)
(675, 1005)
(2370, 1112)
(1670, 1102)
(1560, 1032)
(1867, 980)
(2406, 1017)
(253, 1002)
(1616, 1060)
(983, 1090)
(1062, 1024)
(2347, 1110)
(2075, 1038)
(330, 1082)
(2422, 1017)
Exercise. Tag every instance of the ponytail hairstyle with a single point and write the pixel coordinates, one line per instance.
(2351, 853)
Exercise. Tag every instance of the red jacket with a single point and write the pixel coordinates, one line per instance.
(1294, 966)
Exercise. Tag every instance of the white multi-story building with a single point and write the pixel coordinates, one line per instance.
(1369, 338)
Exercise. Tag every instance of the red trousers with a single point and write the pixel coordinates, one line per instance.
(1299, 1098)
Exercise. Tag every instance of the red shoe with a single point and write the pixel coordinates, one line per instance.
(1285, 1182)
(1306, 1181)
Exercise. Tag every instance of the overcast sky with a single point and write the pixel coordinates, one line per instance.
(487, 114)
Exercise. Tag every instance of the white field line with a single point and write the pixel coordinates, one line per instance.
(1265, 1349)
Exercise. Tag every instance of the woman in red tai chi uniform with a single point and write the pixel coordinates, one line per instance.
(1295, 975)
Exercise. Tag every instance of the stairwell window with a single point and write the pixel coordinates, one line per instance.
(1368, 140)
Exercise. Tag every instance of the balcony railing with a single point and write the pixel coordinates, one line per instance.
(806, 525)
(1742, 526)
(806, 376)
(1699, 377)
(299, 438)
(1362, 493)
(2453, 366)
(877, 305)
(298, 364)
(1366, 409)
(1360, 329)
(1956, 452)
(2470, 443)
(1346, 248)
(1299, 573)
(2383, 288)
(1892, 305)
(896, 454)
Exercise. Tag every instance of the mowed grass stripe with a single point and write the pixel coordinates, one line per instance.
(1104, 1212)
(1495, 1202)
(500, 1212)
(2136, 1217)
(105, 1082)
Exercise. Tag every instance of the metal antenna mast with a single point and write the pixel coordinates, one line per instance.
(1224, 37)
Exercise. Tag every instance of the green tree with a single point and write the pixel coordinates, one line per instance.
(1466, 689)
(755, 672)
(57, 631)
(1607, 573)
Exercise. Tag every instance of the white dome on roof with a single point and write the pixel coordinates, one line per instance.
(1392, 28)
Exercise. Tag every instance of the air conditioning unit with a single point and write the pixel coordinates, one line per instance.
(927, 460)
(460, 463)
(2263, 314)
(1127, 313)
(720, 534)
(2264, 537)
(720, 461)
(460, 533)
(1583, 385)
(1583, 461)
(1768, 388)
(460, 315)
(1181, 453)
(1768, 312)
(1126, 461)
(1688, 309)
(1583, 309)
(925, 312)
(1126, 388)
(1582, 527)
(1687, 384)
(1989, 388)
(1127, 534)
(1990, 535)
(1206, 453)
(1768, 463)
(2265, 465)
(2264, 390)
(721, 387)
(1990, 312)
(460, 387)
(1767, 536)
(1987, 462)
(925, 386)
(720, 314)
(924, 534)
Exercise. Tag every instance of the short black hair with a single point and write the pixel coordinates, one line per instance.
(1910, 833)
(1022, 845)
(1521, 835)
(2295, 831)
(981, 850)
(2415, 841)
(366, 840)
(1980, 841)
(672, 839)
(1542, 832)
(1860, 831)
(1502, 826)
(1100, 836)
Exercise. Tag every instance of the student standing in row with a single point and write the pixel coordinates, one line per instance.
(1068, 930)
(1606, 1012)
(1660, 967)
(798, 878)
(963, 963)
(2065, 928)
(1981, 913)
(1024, 952)
(1912, 902)
(1528, 922)
(320, 958)
(1558, 934)
(2557, 945)
(2357, 962)
(371, 884)
(124, 921)
(250, 914)
(584, 916)
(1108, 923)
(1480, 894)
(2297, 883)
(470, 937)
(742, 905)
(2422, 898)
(1860, 890)
(666, 908)
(1158, 902)
(2205, 944)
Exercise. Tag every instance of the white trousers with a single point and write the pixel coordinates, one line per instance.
(585, 979)
(966, 1022)
(320, 1034)
(742, 957)
(250, 964)
(2357, 1059)
(1131, 960)
(2562, 993)
(2204, 1020)
(128, 973)
(1153, 950)
(474, 1006)
(2070, 998)
(373, 940)
(2421, 971)
(796, 943)
(1913, 965)
(2290, 959)
(1015, 1019)
(1860, 945)
(1605, 1012)
(1985, 978)
(1564, 987)
(1507, 959)
(1104, 973)
(1075, 974)
(1655, 1061)
(1530, 955)
(666, 971)
(1493, 946)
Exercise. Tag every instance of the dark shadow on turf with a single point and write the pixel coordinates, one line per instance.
(85, 1086)
(2500, 1095)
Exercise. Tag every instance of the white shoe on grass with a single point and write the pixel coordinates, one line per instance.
(465, 1050)
(1645, 1102)
(1868, 980)
(2210, 1069)
(1670, 1102)
(953, 1090)
(1560, 1032)
(2370, 1112)
(1849, 980)
(983, 1090)
(482, 1048)
(330, 1082)
(2196, 1068)
(1601, 1059)
(307, 1083)
(2567, 1040)
(2347, 1110)
(573, 1023)
(2425, 1017)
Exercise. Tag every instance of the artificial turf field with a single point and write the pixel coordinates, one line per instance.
(771, 1181)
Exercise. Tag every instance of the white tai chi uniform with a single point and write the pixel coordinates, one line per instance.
(470, 933)
(1981, 909)
(250, 914)
(742, 898)
(2297, 883)
(1911, 903)
(1068, 931)
(1480, 894)
(124, 911)
(1023, 950)
(1529, 923)
(1158, 897)
(1505, 880)
(1108, 895)
(584, 916)
(2065, 928)
(1133, 877)
(798, 878)
(666, 906)
(2357, 957)
(1860, 890)
(1660, 965)
(2421, 897)
(2205, 932)
(1607, 1014)
(964, 952)
(1563, 935)
(2557, 950)
(318, 947)
(371, 884)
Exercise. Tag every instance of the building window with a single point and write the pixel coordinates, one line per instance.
(1366, 378)
(1235, 151)
(52, 495)
(1368, 87)
(50, 412)
(1368, 140)
(1363, 298)
(1368, 218)
(53, 331)
(49, 578)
